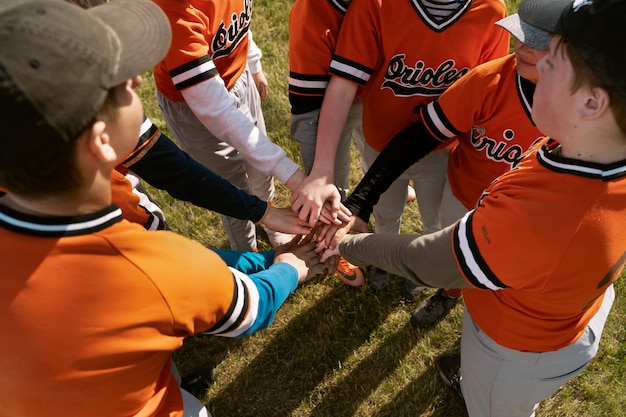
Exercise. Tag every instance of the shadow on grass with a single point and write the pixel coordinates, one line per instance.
(425, 392)
(305, 353)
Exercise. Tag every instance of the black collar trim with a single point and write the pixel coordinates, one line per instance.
(59, 226)
(550, 158)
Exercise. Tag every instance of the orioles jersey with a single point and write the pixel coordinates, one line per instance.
(313, 31)
(405, 55)
(488, 111)
(135, 205)
(209, 38)
(547, 238)
(94, 305)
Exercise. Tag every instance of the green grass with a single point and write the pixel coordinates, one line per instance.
(338, 351)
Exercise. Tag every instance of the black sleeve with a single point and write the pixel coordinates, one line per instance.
(406, 148)
(165, 166)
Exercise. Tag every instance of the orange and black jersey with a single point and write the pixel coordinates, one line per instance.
(547, 239)
(488, 112)
(209, 38)
(112, 301)
(313, 31)
(405, 55)
(163, 165)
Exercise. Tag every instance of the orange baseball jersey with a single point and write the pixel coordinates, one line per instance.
(94, 305)
(547, 237)
(406, 55)
(121, 189)
(313, 31)
(209, 38)
(488, 111)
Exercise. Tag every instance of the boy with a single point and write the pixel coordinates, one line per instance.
(488, 111)
(403, 53)
(313, 31)
(207, 95)
(92, 305)
(537, 257)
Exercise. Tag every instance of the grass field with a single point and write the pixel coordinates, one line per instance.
(339, 351)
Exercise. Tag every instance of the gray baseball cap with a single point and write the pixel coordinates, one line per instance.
(58, 61)
(534, 21)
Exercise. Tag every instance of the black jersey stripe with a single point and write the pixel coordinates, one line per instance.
(471, 261)
(193, 72)
(351, 70)
(223, 324)
(437, 122)
(339, 5)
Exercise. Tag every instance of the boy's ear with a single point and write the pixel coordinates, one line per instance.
(596, 102)
(99, 143)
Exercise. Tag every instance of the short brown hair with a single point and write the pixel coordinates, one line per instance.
(585, 76)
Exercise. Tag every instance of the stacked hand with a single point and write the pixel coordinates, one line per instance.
(300, 253)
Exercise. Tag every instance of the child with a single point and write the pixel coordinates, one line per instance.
(208, 97)
(537, 257)
(403, 53)
(488, 112)
(93, 305)
(313, 31)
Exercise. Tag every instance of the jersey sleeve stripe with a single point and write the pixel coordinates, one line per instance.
(471, 262)
(350, 70)
(148, 135)
(437, 123)
(242, 312)
(193, 72)
(307, 85)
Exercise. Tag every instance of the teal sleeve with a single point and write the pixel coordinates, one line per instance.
(247, 262)
(274, 286)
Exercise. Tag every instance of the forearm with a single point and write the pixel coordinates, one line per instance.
(167, 167)
(273, 287)
(405, 149)
(427, 260)
(333, 115)
(222, 118)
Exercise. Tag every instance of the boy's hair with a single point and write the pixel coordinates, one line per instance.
(57, 65)
(595, 33)
(585, 77)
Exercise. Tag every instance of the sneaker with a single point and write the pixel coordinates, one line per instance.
(197, 381)
(449, 367)
(377, 278)
(410, 194)
(411, 290)
(350, 274)
(433, 309)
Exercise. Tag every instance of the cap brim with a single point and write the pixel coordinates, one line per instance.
(144, 33)
(529, 35)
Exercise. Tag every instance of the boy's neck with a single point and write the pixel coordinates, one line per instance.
(603, 146)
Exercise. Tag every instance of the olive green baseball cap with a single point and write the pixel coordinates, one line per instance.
(58, 61)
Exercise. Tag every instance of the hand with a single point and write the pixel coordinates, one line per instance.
(304, 258)
(328, 254)
(329, 235)
(286, 221)
(261, 84)
(330, 264)
(326, 215)
(310, 197)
